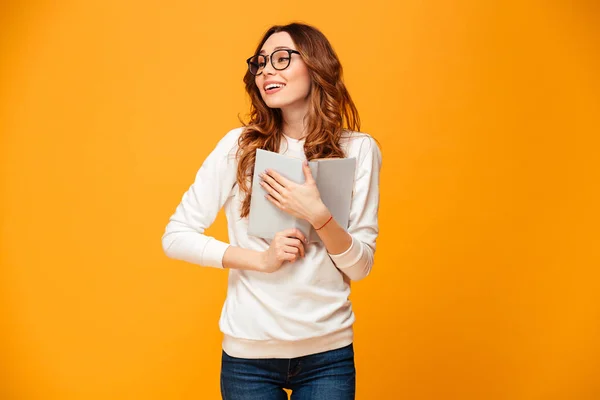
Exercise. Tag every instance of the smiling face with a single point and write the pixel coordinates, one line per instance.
(287, 89)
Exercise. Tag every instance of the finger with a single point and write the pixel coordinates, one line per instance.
(269, 189)
(277, 179)
(289, 256)
(274, 201)
(307, 172)
(271, 182)
(291, 250)
(294, 232)
(296, 243)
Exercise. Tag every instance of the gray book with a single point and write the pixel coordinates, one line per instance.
(334, 178)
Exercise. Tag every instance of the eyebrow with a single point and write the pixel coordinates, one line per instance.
(277, 48)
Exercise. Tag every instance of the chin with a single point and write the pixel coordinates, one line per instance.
(282, 102)
(272, 103)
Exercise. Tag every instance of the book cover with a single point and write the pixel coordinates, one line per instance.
(335, 181)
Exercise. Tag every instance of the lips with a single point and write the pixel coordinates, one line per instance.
(272, 87)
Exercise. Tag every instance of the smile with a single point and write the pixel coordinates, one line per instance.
(274, 87)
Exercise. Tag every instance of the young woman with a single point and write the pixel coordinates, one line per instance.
(287, 320)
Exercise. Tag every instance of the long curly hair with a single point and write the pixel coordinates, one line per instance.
(331, 110)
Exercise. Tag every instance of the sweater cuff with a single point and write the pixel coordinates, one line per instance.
(213, 253)
(349, 257)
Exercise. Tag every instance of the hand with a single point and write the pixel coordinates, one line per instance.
(301, 201)
(287, 245)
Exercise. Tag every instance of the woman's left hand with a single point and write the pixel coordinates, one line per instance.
(300, 200)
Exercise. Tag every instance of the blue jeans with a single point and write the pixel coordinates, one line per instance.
(330, 375)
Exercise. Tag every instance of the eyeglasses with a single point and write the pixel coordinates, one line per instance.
(280, 60)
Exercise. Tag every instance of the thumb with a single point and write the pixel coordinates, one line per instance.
(307, 172)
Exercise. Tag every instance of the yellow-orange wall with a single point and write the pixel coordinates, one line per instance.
(486, 284)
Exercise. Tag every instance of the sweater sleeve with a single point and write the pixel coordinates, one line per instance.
(184, 237)
(357, 261)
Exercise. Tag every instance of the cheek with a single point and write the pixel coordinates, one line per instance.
(258, 83)
(307, 82)
(303, 80)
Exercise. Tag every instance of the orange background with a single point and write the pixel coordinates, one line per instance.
(486, 283)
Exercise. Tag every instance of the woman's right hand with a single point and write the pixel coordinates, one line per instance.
(287, 245)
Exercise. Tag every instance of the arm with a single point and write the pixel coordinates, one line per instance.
(353, 252)
(287, 245)
(184, 237)
(239, 258)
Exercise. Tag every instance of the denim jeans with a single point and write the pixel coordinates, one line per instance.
(330, 375)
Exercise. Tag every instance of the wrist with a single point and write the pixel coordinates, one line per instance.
(243, 259)
(320, 217)
(259, 261)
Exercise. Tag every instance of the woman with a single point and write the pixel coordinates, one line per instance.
(287, 321)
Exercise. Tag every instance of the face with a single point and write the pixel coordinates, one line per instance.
(287, 89)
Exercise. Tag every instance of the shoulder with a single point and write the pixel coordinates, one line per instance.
(360, 145)
(230, 139)
(228, 144)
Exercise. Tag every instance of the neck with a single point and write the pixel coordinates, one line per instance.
(294, 123)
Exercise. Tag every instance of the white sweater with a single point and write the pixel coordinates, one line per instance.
(302, 308)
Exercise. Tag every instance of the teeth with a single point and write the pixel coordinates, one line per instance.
(274, 85)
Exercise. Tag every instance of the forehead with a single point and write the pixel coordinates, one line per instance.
(279, 39)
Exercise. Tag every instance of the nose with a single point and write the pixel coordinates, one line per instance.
(268, 68)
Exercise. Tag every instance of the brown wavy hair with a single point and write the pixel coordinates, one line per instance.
(331, 109)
